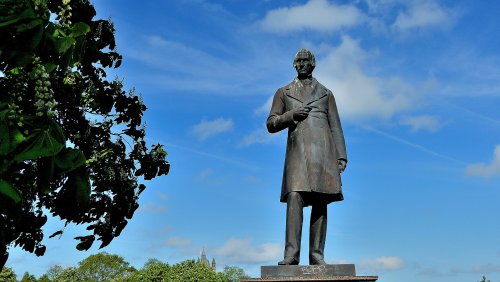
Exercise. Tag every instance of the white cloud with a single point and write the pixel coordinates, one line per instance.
(260, 136)
(204, 174)
(411, 144)
(208, 177)
(211, 68)
(178, 242)
(383, 263)
(237, 250)
(253, 180)
(424, 14)
(380, 6)
(318, 15)
(485, 268)
(265, 108)
(486, 170)
(423, 122)
(359, 95)
(428, 271)
(152, 208)
(182, 247)
(206, 129)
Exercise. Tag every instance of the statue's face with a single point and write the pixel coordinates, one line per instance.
(303, 64)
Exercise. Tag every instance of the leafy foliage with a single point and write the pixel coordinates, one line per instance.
(96, 268)
(186, 271)
(28, 278)
(113, 268)
(103, 267)
(64, 126)
(153, 270)
(8, 275)
(484, 279)
(234, 273)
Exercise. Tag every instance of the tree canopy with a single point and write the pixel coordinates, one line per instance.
(103, 267)
(114, 268)
(234, 273)
(186, 271)
(8, 275)
(72, 141)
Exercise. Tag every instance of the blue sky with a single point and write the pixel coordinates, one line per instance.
(417, 85)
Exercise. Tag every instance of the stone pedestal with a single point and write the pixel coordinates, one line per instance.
(317, 273)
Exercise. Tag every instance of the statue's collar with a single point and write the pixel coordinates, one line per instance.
(297, 91)
(310, 81)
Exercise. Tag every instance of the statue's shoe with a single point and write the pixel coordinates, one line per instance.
(288, 261)
(317, 262)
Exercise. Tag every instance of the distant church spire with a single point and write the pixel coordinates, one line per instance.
(203, 260)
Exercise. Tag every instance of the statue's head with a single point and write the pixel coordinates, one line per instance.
(304, 63)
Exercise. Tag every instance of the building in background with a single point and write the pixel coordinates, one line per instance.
(203, 260)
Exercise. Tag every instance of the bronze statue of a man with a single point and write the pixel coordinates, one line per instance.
(315, 156)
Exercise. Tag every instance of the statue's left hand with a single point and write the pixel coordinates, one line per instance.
(342, 164)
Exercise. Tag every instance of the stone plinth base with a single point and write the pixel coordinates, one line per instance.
(315, 279)
(317, 273)
(307, 270)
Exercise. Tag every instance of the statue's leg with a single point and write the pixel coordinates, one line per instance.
(294, 215)
(317, 235)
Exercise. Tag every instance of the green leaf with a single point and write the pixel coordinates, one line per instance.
(43, 143)
(69, 159)
(77, 187)
(4, 134)
(72, 201)
(49, 67)
(57, 131)
(85, 242)
(31, 25)
(79, 29)
(16, 138)
(63, 44)
(10, 192)
(16, 71)
(26, 14)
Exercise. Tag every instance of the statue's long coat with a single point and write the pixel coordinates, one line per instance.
(314, 145)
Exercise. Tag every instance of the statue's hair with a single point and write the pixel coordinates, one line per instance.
(309, 54)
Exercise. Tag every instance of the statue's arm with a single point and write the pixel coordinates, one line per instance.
(279, 118)
(336, 128)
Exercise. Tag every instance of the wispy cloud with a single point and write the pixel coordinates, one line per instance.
(206, 154)
(422, 123)
(266, 107)
(430, 272)
(152, 208)
(204, 174)
(383, 263)
(232, 251)
(260, 136)
(185, 67)
(414, 145)
(236, 250)
(486, 171)
(178, 242)
(183, 247)
(206, 129)
(253, 180)
(424, 14)
(359, 95)
(320, 15)
(409, 16)
(480, 269)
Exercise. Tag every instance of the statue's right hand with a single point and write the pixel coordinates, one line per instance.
(300, 114)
